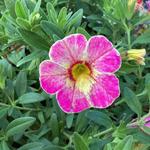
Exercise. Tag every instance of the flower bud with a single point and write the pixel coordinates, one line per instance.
(137, 55)
(148, 5)
(138, 4)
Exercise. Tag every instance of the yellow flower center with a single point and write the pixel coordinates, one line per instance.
(80, 69)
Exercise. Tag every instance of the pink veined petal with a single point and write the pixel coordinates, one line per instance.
(97, 47)
(105, 91)
(52, 76)
(68, 50)
(147, 124)
(109, 62)
(147, 119)
(71, 100)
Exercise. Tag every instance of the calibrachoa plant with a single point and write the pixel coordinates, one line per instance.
(81, 73)
(74, 74)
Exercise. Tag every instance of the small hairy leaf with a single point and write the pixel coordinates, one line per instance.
(34, 39)
(19, 125)
(79, 142)
(4, 146)
(99, 118)
(132, 101)
(30, 97)
(21, 83)
(51, 29)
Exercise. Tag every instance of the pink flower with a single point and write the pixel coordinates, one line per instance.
(147, 121)
(148, 5)
(81, 73)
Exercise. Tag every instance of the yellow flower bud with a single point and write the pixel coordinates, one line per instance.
(37, 16)
(138, 4)
(130, 2)
(138, 146)
(137, 55)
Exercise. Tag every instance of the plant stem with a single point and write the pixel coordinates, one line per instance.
(120, 102)
(140, 72)
(127, 29)
(103, 133)
(3, 104)
(129, 38)
(138, 95)
(21, 108)
(70, 140)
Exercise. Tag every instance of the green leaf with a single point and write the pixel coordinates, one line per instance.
(75, 19)
(54, 125)
(37, 6)
(142, 137)
(81, 122)
(52, 15)
(19, 125)
(130, 10)
(121, 131)
(100, 118)
(16, 56)
(51, 29)
(32, 146)
(143, 19)
(147, 84)
(30, 57)
(23, 23)
(52, 147)
(132, 101)
(21, 9)
(143, 38)
(79, 142)
(62, 20)
(34, 40)
(146, 129)
(4, 146)
(3, 111)
(69, 120)
(30, 97)
(119, 11)
(41, 117)
(125, 144)
(21, 83)
(2, 80)
(10, 5)
(108, 147)
(84, 32)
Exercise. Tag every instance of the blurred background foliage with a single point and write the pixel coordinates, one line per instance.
(29, 118)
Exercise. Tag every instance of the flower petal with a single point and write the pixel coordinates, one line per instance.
(52, 76)
(105, 91)
(147, 124)
(147, 119)
(109, 62)
(68, 50)
(71, 100)
(97, 47)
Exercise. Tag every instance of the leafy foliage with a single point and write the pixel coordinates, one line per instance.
(29, 118)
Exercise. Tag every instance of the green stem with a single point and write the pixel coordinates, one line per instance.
(128, 37)
(127, 29)
(70, 141)
(120, 102)
(140, 72)
(21, 108)
(9, 99)
(138, 95)
(103, 133)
